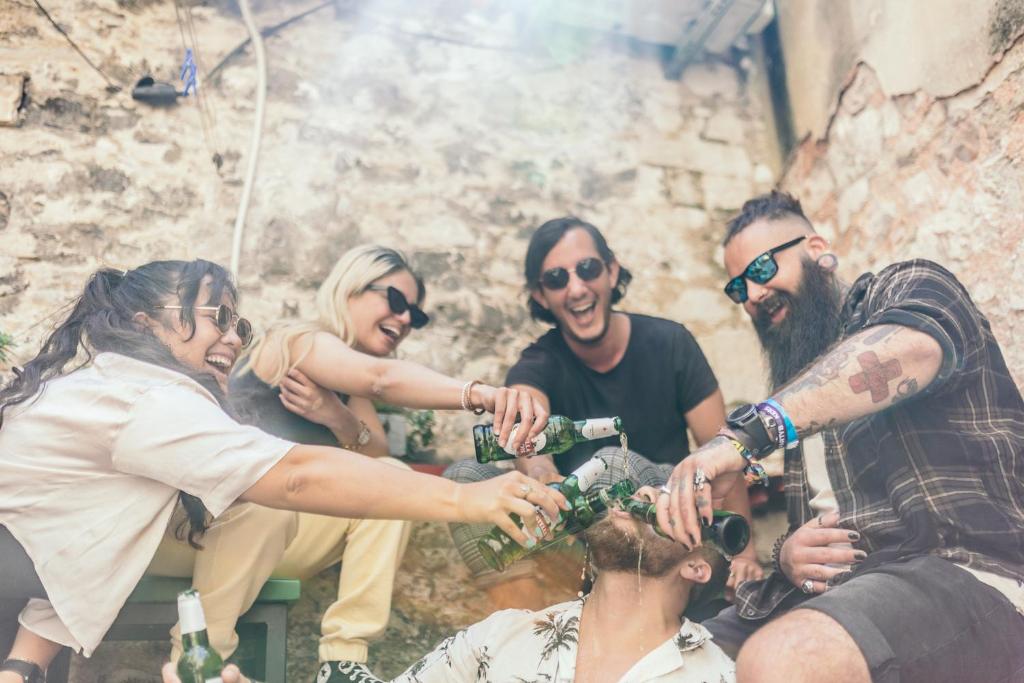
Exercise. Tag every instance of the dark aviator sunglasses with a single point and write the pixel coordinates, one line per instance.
(761, 270)
(587, 269)
(225, 319)
(399, 305)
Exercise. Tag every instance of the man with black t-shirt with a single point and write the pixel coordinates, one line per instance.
(597, 362)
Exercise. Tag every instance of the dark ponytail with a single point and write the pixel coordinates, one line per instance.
(103, 319)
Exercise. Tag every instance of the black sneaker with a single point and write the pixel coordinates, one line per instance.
(344, 671)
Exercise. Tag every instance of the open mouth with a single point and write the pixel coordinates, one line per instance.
(392, 333)
(582, 310)
(774, 309)
(221, 364)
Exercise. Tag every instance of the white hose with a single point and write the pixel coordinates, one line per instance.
(257, 134)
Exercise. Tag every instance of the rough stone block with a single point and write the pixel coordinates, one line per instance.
(725, 192)
(709, 80)
(12, 93)
(725, 126)
(684, 188)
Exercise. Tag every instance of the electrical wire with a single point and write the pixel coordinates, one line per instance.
(112, 87)
(257, 133)
(206, 123)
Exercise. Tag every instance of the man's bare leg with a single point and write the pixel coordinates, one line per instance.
(802, 646)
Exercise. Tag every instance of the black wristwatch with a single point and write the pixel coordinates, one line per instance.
(30, 671)
(750, 431)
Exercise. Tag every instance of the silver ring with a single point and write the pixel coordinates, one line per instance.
(699, 479)
(525, 489)
(664, 489)
(807, 586)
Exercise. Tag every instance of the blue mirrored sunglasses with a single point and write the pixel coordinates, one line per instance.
(761, 270)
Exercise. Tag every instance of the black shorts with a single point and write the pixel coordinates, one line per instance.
(921, 620)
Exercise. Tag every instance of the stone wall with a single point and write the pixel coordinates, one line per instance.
(441, 129)
(919, 175)
(448, 129)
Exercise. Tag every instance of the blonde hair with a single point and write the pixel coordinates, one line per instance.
(356, 270)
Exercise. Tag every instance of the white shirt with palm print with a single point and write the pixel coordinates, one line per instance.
(521, 646)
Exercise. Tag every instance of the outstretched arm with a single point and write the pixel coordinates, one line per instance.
(334, 365)
(861, 375)
(331, 481)
(868, 372)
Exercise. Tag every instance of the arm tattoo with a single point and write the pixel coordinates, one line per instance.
(905, 389)
(825, 369)
(881, 333)
(876, 376)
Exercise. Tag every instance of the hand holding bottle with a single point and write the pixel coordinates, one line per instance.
(696, 483)
(230, 674)
(507, 404)
(493, 500)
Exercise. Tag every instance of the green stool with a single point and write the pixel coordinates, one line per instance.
(152, 609)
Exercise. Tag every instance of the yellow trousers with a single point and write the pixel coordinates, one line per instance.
(249, 544)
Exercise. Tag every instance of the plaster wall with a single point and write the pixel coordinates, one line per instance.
(937, 46)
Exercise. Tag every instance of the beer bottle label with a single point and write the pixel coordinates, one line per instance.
(530, 446)
(599, 428)
(589, 472)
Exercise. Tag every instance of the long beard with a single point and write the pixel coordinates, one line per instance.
(618, 550)
(811, 325)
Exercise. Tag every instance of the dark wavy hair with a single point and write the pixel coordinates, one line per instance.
(102, 319)
(770, 206)
(544, 240)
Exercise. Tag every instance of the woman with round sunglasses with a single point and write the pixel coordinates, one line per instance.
(120, 419)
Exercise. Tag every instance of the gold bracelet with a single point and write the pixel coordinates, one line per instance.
(467, 397)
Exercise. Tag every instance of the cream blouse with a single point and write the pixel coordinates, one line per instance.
(90, 470)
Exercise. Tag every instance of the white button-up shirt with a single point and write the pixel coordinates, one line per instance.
(540, 647)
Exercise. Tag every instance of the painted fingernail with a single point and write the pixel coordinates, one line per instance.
(860, 556)
(854, 536)
(530, 543)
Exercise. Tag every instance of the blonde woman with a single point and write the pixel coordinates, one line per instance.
(122, 414)
(314, 383)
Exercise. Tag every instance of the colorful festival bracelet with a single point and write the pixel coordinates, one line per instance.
(754, 471)
(792, 438)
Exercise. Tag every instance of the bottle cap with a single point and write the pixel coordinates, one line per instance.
(190, 612)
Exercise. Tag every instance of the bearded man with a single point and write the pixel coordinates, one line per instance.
(629, 629)
(904, 432)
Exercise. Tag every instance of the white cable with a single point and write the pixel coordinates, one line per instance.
(257, 133)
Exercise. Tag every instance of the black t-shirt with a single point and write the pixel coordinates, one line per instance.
(259, 404)
(662, 375)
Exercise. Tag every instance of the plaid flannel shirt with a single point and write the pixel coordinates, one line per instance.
(941, 473)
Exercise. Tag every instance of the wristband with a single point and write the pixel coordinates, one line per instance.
(774, 423)
(754, 472)
(792, 439)
(30, 671)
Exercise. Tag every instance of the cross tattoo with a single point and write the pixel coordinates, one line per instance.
(876, 376)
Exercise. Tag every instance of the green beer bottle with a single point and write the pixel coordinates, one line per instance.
(499, 550)
(558, 436)
(199, 662)
(728, 530)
